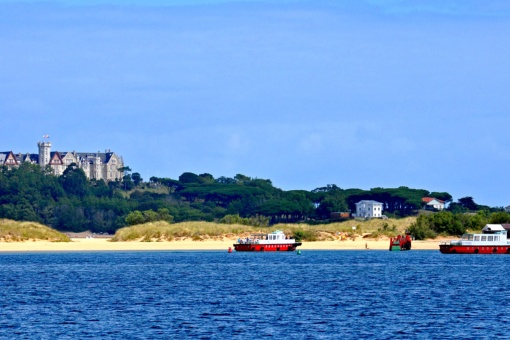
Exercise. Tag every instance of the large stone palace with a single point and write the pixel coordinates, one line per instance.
(96, 165)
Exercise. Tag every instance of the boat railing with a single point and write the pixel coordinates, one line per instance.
(248, 241)
(452, 243)
(258, 241)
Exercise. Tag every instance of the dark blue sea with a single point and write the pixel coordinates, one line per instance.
(217, 295)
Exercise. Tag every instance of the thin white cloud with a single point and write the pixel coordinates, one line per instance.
(311, 143)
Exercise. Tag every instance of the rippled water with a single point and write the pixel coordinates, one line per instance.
(318, 294)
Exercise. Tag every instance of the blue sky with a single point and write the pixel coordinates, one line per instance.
(360, 94)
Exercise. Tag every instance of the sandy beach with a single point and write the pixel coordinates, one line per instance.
(104, 244)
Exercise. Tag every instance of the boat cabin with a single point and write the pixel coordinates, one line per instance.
(276, 237)
(492, 235)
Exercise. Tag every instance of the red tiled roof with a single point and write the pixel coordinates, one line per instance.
(428, 199)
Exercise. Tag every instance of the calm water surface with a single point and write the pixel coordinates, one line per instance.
(318, 294)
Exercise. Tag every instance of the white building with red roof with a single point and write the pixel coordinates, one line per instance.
(432, 203)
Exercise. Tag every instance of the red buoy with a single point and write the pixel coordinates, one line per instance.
(229, 249)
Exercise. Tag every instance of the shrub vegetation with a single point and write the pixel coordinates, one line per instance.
(13, 231)
(163, 231)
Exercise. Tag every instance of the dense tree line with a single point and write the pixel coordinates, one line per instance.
(73, 203)
(69, 202)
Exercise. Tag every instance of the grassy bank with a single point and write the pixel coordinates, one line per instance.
(163, 231)
(373, 228)
(13, 231)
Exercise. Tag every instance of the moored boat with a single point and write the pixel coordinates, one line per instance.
(492, 240)
(275, 241)
(400, 242)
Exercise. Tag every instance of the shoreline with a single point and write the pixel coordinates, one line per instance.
(103, 244)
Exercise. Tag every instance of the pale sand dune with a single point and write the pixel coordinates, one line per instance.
(101, 244)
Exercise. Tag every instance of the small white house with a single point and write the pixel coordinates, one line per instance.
(432, 203)
(369, 209)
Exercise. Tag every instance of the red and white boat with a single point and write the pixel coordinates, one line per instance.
(492, 240)
(275, 241)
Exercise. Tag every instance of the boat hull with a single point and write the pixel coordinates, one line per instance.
(266, 247)
(459, 249)
(400, 247)
(400, 243)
